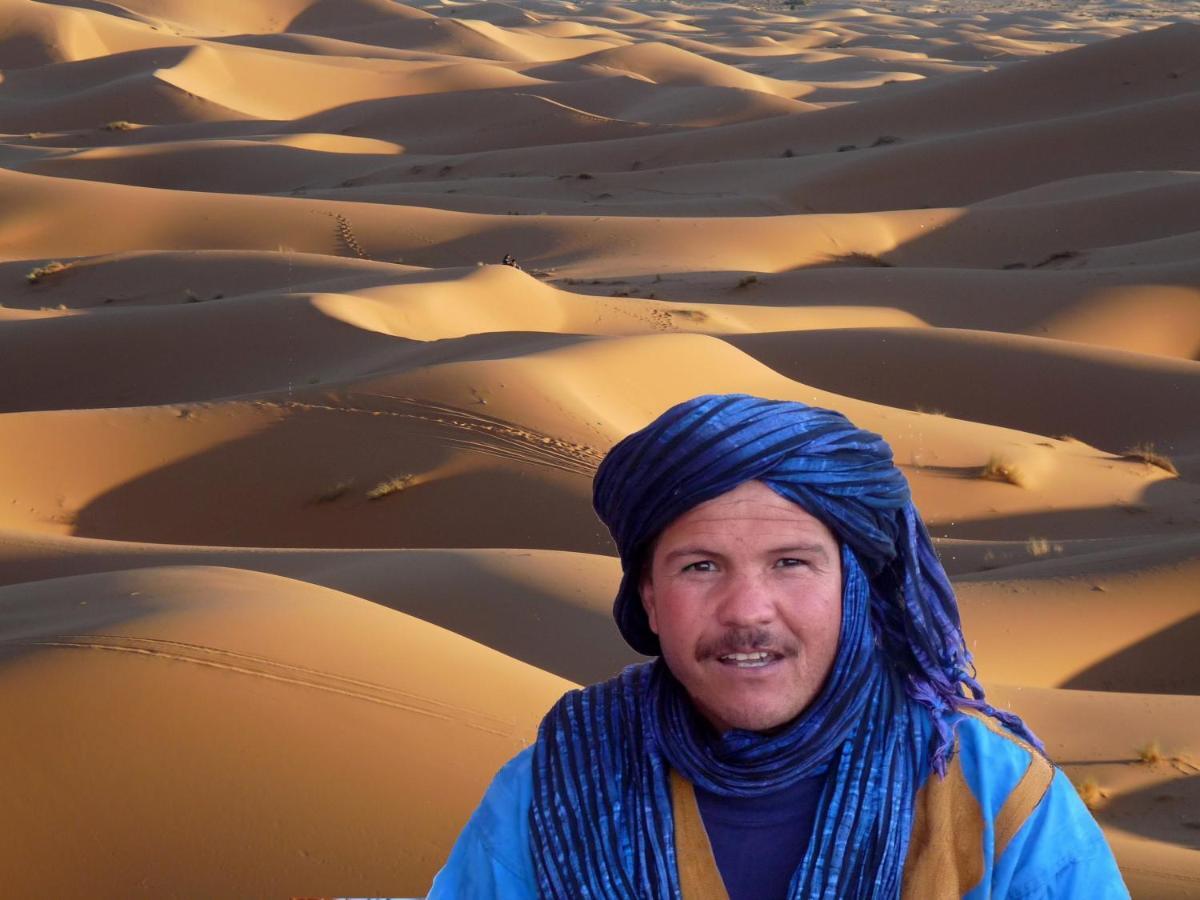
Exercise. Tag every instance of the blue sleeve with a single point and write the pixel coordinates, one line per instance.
(1059, 854)
(491, 858)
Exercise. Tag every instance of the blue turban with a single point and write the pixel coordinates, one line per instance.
(704, 447)
(840, 474)
(882, 720)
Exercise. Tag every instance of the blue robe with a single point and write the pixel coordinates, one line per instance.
(1056, 853)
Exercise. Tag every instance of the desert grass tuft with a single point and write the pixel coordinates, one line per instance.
(1090, 792)
(998, 468)
(857, 258)
(36, 276)
(390, 486)
(120, 125)
(1147, 454)
(1037, 547)
(346, 235)
(747, 280)
(1150, 753)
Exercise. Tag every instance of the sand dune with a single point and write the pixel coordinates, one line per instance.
(523, 588)
(661, 64)
(1118, 641)
(296, 543)
(313, 711)
(51, 211)
(985, 376)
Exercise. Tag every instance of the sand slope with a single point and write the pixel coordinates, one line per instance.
(296, 543)
(195, 710)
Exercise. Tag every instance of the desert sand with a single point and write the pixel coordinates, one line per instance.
(296, 543)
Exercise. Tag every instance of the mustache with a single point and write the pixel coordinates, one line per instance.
(745, 640)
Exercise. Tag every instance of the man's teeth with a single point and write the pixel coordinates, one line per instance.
(747, 660)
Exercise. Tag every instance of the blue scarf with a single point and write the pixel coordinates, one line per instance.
(601, 819)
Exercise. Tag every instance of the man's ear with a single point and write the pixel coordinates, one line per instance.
(646, 589)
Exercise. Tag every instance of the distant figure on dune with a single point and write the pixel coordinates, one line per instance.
(510, 260)
(810, 726)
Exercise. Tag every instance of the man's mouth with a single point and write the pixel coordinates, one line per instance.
(756, 659)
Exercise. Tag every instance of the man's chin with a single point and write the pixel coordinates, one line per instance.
(746, 717)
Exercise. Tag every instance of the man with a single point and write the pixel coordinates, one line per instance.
(811, 727)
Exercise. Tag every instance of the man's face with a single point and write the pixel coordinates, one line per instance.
(745, 594)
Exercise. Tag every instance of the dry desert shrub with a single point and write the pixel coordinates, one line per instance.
(35, 276)
(1039, 547)
(1147, 454)
(390, 486)
(120, 125)
(1090, 792)
(1150, 753)
(747, 280)
(999, 468)
(862, 259)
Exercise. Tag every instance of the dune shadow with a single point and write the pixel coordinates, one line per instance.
(1168, 812)
(543, 626)
(168, 352)
(1166, 662)
(565, 628)
(1108, 401)
(370, 476)
(1169, 507)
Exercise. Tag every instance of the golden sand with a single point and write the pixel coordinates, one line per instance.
(296, 543)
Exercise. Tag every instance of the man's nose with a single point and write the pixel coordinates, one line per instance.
(747, 600)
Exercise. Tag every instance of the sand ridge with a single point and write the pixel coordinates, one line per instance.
(296, 543)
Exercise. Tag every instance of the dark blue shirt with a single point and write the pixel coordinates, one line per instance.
(759, 842)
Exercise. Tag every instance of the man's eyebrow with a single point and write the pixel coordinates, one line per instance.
(815, 549)
(690, 551)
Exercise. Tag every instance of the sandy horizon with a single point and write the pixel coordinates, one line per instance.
(296, 541)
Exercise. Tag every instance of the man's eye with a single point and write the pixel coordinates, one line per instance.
(704, 565)
(788, 561)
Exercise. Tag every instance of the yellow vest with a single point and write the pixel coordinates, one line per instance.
(945, 851)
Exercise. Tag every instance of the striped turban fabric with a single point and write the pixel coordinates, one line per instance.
(601, 816)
